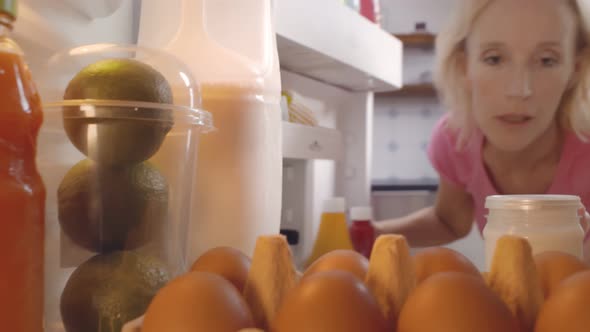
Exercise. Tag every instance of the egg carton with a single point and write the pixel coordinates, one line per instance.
(390, 278)
(135, 326)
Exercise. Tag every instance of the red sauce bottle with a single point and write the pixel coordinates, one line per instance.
(361, 230)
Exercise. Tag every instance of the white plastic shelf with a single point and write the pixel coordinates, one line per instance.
(329, 42)
(307, 142)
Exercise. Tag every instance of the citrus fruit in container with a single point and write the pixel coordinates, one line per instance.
(117, 152)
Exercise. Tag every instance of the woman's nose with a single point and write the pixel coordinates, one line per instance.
(519, 85)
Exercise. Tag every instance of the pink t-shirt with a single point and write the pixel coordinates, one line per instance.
(466, 170)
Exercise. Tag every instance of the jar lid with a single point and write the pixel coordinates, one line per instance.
(532, 202)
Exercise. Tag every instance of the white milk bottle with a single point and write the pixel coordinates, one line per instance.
(230, 47)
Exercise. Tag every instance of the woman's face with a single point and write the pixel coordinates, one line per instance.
(520, 58)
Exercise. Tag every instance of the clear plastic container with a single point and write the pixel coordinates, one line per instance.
(548, 222)
(117, 152)
(231, 47)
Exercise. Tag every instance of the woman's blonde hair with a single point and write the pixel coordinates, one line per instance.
(449, 73)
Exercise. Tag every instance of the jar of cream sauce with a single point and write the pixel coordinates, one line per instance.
(548, 222)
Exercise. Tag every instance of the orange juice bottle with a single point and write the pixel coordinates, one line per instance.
(22, 193)
(333, 231)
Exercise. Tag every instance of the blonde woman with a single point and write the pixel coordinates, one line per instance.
(514, 76)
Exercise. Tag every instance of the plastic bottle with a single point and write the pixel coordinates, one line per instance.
(22, 192)
(230, 47)
(362, 232)
(333, 231)
(367, 9)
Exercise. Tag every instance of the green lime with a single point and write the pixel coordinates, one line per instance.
(109, 290)
(118, 134)
(104, 208)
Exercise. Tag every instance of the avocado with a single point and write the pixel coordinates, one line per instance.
(118, 134)
(105, 208)
(109, 290)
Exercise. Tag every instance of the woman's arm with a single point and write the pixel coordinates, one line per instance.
(451, 218)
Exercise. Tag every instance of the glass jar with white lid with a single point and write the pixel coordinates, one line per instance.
(548, 222)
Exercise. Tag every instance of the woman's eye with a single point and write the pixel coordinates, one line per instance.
(548, 61)
(493, 60)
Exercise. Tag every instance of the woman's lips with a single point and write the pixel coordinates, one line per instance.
(514, 119)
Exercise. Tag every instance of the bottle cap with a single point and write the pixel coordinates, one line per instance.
(335, 205)
(361, 213)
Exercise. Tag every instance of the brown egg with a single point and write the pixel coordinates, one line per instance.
(227, 262)
(567, 307)
(430, 261)
(329, 301)
(342, 260)
(555, 266)
(198, 301)
(455, 302)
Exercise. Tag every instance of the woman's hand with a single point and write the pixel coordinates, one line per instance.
(585, 222)
(587, 252)
(378, 228)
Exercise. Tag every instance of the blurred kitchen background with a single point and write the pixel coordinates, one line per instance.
(374, 149)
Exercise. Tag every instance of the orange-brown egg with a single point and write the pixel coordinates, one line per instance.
(227, 262)
(329, 301)
(555, 266)
(342, 260)
(430, 261)
(455, 302)
(198, 301)
(567, 307)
